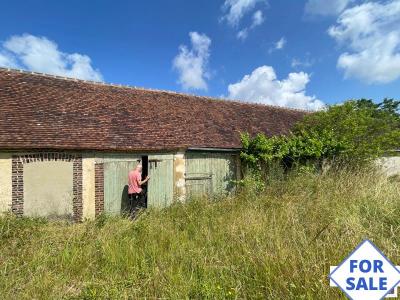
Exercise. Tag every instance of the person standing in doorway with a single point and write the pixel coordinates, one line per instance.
(136, 193)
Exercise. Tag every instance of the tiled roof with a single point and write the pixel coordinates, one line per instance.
(40, 111)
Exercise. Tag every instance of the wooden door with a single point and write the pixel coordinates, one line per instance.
(160, 186)
(116, 186)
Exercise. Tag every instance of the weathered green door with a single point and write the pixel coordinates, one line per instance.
(160, 186)
(116, 185)
(210, 172)
(198, 184)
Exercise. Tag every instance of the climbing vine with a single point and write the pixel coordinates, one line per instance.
(354, 132)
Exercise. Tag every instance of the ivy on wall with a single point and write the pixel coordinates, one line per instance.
(354, 132)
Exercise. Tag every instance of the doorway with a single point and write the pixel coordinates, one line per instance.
(145, 172)
(145, 166)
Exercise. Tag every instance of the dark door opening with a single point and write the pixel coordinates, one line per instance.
(145, 166)
(145, 172)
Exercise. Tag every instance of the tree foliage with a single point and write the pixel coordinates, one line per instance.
(353, 132)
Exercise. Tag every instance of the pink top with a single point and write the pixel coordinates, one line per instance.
(134, 178)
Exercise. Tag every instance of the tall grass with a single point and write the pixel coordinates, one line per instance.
(278, 244)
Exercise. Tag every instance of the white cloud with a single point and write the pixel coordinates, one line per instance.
(279, 45)
(242, 34)
(7, 61)
(258, 19)
(236, 9)
(42, 55)
(191, 64)
(326, 8)
(262, 86)
(306, 63)
(370, 33)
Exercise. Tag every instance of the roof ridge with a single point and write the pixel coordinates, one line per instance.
(101, 83)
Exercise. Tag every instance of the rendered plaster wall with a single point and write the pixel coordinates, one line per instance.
(48, 189)
(390, 166)
(179, 176)
(88, 186)
(5, 182)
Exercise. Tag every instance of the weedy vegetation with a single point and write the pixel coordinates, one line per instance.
(277, 243)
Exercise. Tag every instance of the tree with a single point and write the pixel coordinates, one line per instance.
(364, 129)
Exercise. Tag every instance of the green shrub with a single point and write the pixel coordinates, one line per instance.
(353, 133)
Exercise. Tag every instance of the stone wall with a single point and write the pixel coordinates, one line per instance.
(179, 176)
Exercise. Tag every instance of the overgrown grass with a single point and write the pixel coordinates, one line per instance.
(276, 245)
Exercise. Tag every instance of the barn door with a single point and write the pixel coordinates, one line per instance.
(198, 184)
(209, 173)
(160, 185)
(116, 185)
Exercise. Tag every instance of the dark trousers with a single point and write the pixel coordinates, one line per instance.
(136, 201)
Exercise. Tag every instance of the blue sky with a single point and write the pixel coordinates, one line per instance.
(294, 53)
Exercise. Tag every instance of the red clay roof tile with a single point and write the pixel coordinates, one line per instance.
(47, 112)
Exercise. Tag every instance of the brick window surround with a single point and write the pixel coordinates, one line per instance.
(18, 162)
(99, 188)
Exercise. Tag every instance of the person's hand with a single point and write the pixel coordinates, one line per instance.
(147, 177)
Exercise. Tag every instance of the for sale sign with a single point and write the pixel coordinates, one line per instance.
(366, 274)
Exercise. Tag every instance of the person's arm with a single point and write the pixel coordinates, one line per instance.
(144, 181)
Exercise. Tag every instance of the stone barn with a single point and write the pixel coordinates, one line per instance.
(66, 145)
